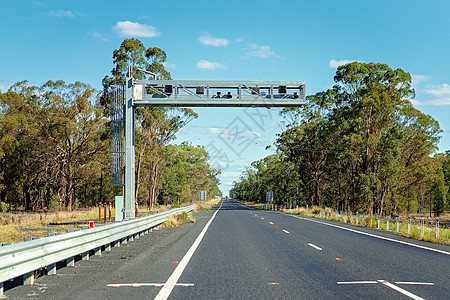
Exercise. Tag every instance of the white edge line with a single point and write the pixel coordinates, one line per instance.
(400, 290)
(315, 247)
(375, 236)
(146, 284)
(285, 231)
(357, 282)
(414, 283)
(164, 293)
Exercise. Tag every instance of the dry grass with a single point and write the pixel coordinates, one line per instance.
(178, 220)
(202, 206)
(15, 226)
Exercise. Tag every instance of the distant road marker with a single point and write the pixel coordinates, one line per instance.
(271, 223)
(315, 247)
(285, 231)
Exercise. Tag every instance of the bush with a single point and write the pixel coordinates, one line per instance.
(4, 207)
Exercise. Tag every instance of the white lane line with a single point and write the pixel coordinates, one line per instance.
(357, 282)
(271, 223)
(373, 235)
(262, 218)
(285, 231)
(146, 284)
(164, 293)
(315, 247)
(404, 292)
(414, 283)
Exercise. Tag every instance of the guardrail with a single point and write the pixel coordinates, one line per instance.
(27, 257)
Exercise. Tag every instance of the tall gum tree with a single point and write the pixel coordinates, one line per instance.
(155, 126)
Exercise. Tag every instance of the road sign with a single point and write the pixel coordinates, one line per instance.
(202, 195)
(269, 196)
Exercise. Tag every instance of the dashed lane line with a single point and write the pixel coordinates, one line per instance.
(373, 235)
(285, 231)
(315, 247)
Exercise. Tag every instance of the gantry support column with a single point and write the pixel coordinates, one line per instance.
(129, 132)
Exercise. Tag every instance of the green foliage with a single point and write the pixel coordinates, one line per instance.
(54, 142)
(360, 145)
(185, 173)
(4, 207)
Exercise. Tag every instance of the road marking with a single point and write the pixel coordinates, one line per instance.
(392, 286)
(262, 218)
(357, 282)
(373, 235)
(404, 292)
(165, 292)
(147, 284)
(414, 283)
(315, 247)
(273, 283)
(271, 223)
(285, 231)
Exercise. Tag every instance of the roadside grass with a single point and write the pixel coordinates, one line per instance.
(14, 227)
(429, 234)
(178, 220)
(202, 206)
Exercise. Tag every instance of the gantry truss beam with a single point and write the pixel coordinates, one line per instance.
(212, 93)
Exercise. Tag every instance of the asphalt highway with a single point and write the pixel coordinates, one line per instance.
(235, 252)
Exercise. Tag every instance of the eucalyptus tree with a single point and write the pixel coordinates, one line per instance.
(155, 126)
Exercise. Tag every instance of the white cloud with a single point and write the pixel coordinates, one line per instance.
(337, 63)
(259, 51)
(99, 36)
(254, 134)
(218, 130)
(208, 40)
(414, 102)
(61, 13)
(169, 65)
(211, 66)
(4, 85)
(128, 28)
(416, 79)
(440, 93)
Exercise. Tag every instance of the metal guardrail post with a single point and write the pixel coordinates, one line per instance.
(109, 212)
(422, 221)
(100, 213)
(437, 229)
(409, 225)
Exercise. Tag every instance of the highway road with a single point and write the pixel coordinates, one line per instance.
(235, 252)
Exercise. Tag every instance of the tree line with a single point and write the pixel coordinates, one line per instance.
(360, 145)
(55, 143)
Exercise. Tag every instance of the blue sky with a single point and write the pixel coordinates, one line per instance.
(233, 40)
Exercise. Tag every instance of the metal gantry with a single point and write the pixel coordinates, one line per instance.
(187, 93)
